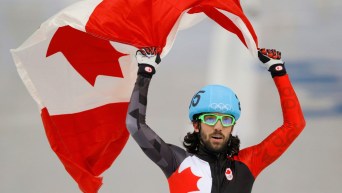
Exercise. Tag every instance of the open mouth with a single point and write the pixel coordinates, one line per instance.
(217, 136)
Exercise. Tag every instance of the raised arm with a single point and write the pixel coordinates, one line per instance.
(151, 144)
(260, 156)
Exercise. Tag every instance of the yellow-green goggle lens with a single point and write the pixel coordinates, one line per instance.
(211, 119)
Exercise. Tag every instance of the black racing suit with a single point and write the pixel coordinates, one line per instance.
(207, 172)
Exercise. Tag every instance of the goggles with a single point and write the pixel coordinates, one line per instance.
(211, 119)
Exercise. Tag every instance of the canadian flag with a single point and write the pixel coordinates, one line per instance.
(79, 67)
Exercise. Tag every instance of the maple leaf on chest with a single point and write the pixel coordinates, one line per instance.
(90, 56)
(183, 182)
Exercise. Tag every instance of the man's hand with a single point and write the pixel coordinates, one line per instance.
(148, 56)
(148, 60)
(270, 58)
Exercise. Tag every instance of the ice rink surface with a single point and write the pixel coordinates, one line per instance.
(308, 34)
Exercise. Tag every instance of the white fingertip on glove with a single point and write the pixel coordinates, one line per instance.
(270, 59)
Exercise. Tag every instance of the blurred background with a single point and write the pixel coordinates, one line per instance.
(308, 33)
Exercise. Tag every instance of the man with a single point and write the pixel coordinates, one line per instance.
(212, 161)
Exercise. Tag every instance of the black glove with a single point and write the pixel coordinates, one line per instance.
(148, 60)
(271, 60)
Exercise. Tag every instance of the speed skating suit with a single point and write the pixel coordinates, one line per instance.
(207, 172)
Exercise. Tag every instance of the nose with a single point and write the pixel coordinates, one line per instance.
(218, 125)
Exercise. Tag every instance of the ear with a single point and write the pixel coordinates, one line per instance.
(196, 126)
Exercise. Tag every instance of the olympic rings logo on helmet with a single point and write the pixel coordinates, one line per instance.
(220, 107)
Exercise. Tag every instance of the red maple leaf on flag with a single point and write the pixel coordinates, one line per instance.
(184, 181)
(90, 56)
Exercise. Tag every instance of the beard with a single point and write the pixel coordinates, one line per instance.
(217, 147)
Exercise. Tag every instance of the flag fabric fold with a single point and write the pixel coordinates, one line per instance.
(79, 67)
